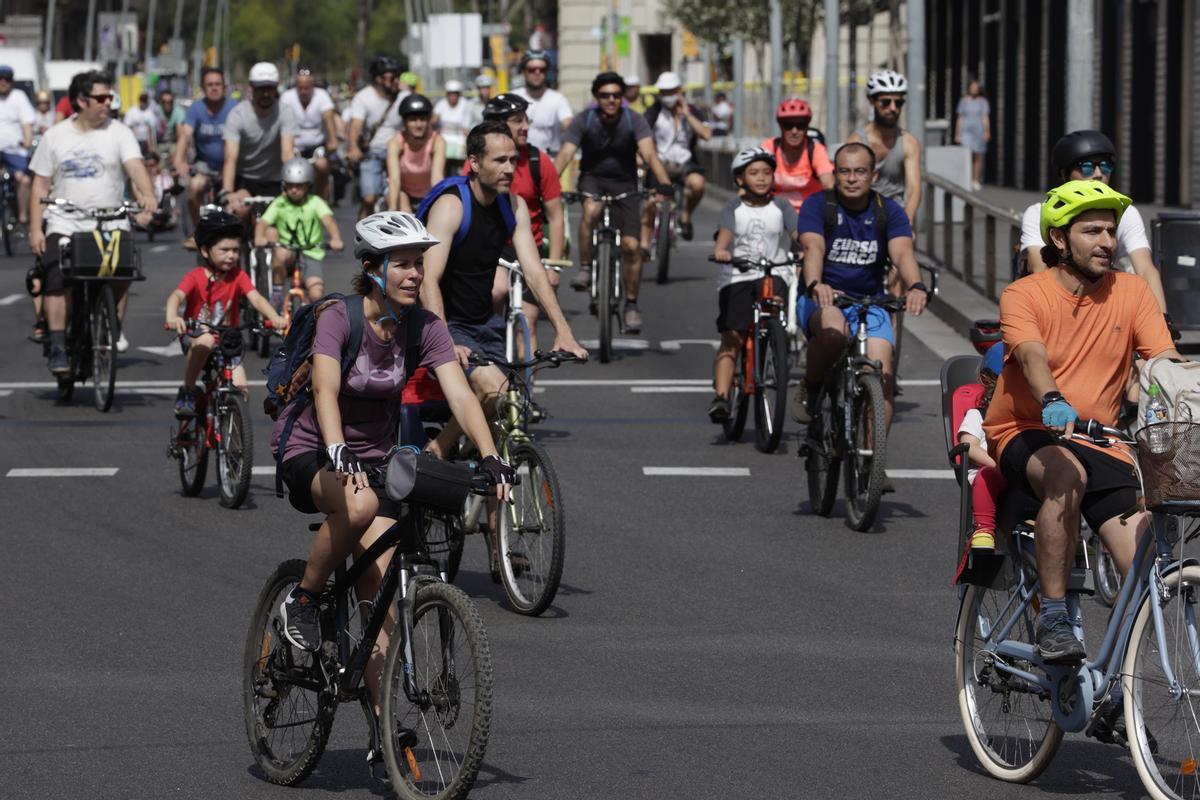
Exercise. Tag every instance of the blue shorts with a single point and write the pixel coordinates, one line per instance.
(879, 322)
(485, 339)
(16, 162)
(372, 173)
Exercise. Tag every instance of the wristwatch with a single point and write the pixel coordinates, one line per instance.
(1052, 397)
(919, 285)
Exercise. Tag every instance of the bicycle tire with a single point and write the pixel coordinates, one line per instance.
(235, 449)
(662, 245)
(1108, 579)
(770, 394)
(5, 230)
(263, 284)
(534, 527)
(864, 475)
(294, 304)
(104, 328)
(823, 466)
(604, 298)
(442, 608)
(1166, 750)
(739, 402)
(192, 453)
(518, 333)
(266, 659)
(1017, 751)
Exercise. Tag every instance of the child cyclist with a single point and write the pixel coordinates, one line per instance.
(212, 294)
(295, 219)
(987, 484)
(753, 225)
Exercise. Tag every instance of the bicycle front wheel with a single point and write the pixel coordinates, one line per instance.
(105, 330)
(7, 220)
(604, 298)
(263, 284)
(532, 532)
(434, 741)
(770, 394)
(662, 245)
(1161, 715)
(822, 461)
(519, 343)
(866, 458)
(235, 449)
(190, 445)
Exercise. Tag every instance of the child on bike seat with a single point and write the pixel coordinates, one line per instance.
(987, 483)
(753, 225)
(212, 294)
(295, 220)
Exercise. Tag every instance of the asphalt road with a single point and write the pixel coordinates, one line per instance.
(712, 639)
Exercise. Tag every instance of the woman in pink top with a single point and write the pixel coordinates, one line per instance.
(802, 164)
(416, 156)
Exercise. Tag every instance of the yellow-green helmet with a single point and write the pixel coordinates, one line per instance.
(1064, 203)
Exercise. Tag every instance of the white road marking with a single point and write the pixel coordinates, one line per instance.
(61, 472)
(618, 344)
(5, 392)
(149, 392)
(670, 389)
(160, 248)
(920, 474)
(263, 470)
(617, 381)
(12, 298)
(676, 344)
(120, 383)
(699, 472)
(167, 350)
(921, 382)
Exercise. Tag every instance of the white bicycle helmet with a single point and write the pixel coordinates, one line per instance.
(385, 231)
(454, 86)
(748, 156)
(298, 170)
(264, 73)
(886, 80)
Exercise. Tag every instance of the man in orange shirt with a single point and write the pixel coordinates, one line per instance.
(802, 165)
(1070, 334)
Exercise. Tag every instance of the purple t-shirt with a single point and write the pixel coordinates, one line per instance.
(369, 399)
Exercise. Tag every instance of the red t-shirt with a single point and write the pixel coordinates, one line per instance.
(64, 106)
(522, 186)
(216, 301)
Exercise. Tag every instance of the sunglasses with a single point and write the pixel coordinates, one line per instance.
(1087, 167)
(888, 102)
(791, 125)
(539, 70)
(610, 96)
(100, 98)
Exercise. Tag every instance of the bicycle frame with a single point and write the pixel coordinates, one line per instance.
(765, 307)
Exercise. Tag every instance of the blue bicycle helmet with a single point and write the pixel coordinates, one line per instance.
(993, 359)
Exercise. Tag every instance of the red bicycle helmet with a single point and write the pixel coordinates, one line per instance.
(794, 108)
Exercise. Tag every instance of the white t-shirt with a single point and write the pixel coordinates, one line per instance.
(141, 121)
(87, 168)
(722, 115)
(310, 117)
(758, 232)
(671, 138)
(1131, 231)
(546, 116)
(368, 106)
(452, 119)
(972, 423)
(15, 111)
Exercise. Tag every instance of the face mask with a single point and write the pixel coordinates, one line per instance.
(669, 100)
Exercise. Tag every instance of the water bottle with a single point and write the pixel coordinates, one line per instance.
(1156, 412)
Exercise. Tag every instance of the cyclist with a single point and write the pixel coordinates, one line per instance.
(610, 139)
(374, 119)
(802, 165)
(295, 219)
(44, 117)
(633, 93)
(1069, 335)
(897, 152)
(170, 117)
(1090, 156)
(549, 112)
(142, 120)
(212, 293)
(407, 83)
(204, 126)
(852, 256)
(754, 225)
(16, 137)
(84, 159)
(314, 112)
(483, 87)
(416, 155)
(676, 129)
(338, 442)
(260, 136)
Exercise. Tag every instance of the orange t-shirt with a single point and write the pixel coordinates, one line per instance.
(798, 180)
(1090, 341)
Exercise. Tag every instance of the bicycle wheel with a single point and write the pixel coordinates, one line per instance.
(434, 742)
(6, 221)
(662, 244)
(288, 713)
(1162, 724)
(190, 445)
(1108, 579)
(263, 284)
(105, 330)
(518, 335)
(532, 532)
(294, 304)
(235, 449)
(1010, 728)
(822, 462)
(770, 395)
(738, 401)
(604, 298)
(866, 458)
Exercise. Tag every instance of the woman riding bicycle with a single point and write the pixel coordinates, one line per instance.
(332, 457)
(416, 156)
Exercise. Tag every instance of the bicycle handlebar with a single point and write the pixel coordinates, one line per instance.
(888, 302)
(1098, 433)
(747, 264)
(575, 197)
(98, 214)
(551, 359)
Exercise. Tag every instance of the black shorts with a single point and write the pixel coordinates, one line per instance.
(1112, 485)
(735, 303)
(683, 170)
(308, 152)
(256, 188)
(298, 474)
(626, 214)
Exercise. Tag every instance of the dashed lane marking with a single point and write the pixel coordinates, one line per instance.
(10, 299)
(166, 350)
(671, 389)
(263, 470)
(920, 474)
(61, 472)
(676, 344)
(698, 472)
(160, 248)
(618, 344)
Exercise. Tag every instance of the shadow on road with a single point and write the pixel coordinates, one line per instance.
(1081, 768)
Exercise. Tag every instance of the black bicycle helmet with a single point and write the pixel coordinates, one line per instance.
(217, 225)
(383, 64)
(503, 106)
(415, 105)
(1078, 145)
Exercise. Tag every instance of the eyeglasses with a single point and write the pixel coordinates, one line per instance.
(538, 70)
(100, 98)
(791, 125)
(858, 172)
(609, 96)
(888, 102)
(1088, 166)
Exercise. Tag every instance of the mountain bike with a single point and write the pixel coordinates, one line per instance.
(257, 261)
(666, 229)
(848, 429)
(761, 371)
(436, 692)
(518, 334)
(1015, 707)
(221, 424)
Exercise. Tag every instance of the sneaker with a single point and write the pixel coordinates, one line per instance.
(122, 343)
(582, 280)
(1056, 641)
(686, 231)
(57, 362)
(301, 621)
(633, 319)
(799, 406)
(189, 243)
(41, 332)
(718, 410)
(983, 539)
(185, 403)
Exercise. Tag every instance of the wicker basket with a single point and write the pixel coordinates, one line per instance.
(1173, 474)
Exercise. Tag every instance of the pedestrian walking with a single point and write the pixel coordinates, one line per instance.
(974, 128)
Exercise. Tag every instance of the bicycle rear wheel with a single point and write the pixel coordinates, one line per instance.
(287, 711)
(532, 532)
(770, 395)
(7, 220)
(1108, 579)
(433, 744)
(662, 245)
(604, 298)
(190, 445)
(105, 331)
(235, 449)
(263, 284)
(739, 402)
(1161, 724)
(822, 462)
(294, 304)
(866, 458)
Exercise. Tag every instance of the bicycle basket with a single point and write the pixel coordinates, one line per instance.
(1173, 473)
(426, 480)
(96, 254)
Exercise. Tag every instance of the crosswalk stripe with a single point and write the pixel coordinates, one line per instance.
(920, 474)
(698, 472)
(61, 472)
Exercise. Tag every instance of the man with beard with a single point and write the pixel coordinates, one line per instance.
(897, 152)
(259, 137)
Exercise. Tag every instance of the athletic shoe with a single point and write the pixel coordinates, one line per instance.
(582, 280)
(686, 232)
(185, 403)
(57, 362)
(301, 621)
(122, 343)
(718, 410)
(633, 319)
(1056, 641)
(983, 539)
(189, 243)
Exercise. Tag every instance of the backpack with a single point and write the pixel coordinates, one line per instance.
(462, 184)
(1179, 382)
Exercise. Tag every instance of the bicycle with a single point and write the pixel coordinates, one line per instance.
(297, 295)
(10, 210)
(761, 371)
(848, 428)
(518, 334)
(91, 262)
(436, 692)
(666, 229)
(258, 268)
(1015, 708)
(221, 424)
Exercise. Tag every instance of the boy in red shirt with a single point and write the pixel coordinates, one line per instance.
(212, 293)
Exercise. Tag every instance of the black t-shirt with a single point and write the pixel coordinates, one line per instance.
(609, 151)
(471, 268)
